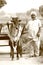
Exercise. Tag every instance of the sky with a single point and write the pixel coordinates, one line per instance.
(16, 6)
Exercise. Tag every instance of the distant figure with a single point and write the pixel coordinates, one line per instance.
(33, 32)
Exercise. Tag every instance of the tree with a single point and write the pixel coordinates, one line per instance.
(41, 10)
(2, 3)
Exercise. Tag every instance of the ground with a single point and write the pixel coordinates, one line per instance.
(25, 60)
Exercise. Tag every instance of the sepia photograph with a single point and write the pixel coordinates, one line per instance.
(21, 32)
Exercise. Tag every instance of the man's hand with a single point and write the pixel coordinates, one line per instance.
(38, 34)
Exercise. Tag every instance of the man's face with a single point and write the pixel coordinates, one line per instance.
(33, 16)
